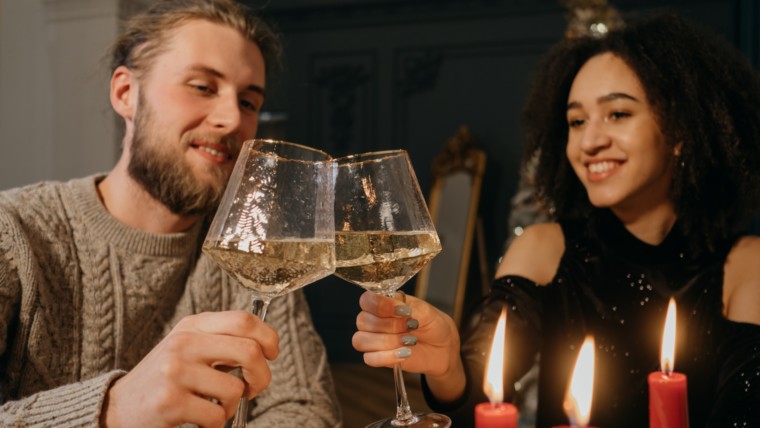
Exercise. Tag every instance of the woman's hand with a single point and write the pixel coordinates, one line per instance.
(415, 334)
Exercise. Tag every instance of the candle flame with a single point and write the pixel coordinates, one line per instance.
(577, 402)
(493, 383)
(667, 355)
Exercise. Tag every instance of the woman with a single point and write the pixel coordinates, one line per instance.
(647, 143)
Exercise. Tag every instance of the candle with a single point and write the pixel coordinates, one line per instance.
(499, 415)
(577, 402)
(496, 414)
(668, 407)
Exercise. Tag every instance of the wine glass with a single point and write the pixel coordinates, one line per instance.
(273, 230)
(383, 236)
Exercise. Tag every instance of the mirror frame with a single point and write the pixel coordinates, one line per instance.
(459, 155)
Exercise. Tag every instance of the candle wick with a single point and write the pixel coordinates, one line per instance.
(573, 422)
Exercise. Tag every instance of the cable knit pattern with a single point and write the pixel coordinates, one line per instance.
(100, 296)
(83, 298)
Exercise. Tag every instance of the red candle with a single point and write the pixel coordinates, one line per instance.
(577, 402)
(668, 406)
(667, 401)
(496, 414)
(499, 415)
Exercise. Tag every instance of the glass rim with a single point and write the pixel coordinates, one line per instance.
(372, 156)
(328, 157)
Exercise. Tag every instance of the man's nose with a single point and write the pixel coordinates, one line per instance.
(226, 114)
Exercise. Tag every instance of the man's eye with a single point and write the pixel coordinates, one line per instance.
(202, 88)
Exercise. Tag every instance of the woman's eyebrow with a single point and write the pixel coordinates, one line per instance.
(605, 99)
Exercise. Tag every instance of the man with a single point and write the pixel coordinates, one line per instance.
(109, 313)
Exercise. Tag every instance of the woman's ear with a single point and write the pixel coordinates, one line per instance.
(124, 92)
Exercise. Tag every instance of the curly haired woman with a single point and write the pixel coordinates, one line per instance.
(647, 143)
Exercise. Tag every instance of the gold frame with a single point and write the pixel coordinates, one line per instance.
(460, 155)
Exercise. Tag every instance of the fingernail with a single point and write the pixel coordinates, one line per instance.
(409, 340)
(403, 352)
(403, 310)
(412, 324)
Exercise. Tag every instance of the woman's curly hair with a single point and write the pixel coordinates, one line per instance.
(706, 97)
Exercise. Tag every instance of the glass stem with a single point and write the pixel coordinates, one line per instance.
(259, 308)
(404, 415)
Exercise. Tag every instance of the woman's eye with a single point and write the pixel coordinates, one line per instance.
(616, 115)
(248, 105)
(574, 123)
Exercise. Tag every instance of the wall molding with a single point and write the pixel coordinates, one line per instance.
(343, 93)
(329, 14)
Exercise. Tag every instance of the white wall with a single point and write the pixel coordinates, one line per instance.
(55, 119)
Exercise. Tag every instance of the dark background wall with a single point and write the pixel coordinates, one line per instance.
(365, 75)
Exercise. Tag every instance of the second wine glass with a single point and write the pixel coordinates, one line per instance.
(273, 230)
(383, 236)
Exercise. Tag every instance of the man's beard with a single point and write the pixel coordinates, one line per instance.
(163, 173)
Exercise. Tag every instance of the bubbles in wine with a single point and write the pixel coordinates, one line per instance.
(277, 266)
(383, 261)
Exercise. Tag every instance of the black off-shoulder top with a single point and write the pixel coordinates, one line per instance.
(615, 287)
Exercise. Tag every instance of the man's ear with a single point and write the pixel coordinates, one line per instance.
(124, 92)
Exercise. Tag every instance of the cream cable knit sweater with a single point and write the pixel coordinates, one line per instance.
(83, 298)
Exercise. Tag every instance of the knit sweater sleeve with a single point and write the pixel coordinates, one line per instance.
(75, 404)
(301, 393)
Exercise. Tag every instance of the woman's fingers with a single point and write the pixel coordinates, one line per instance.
(387, 358)
(370, 342)
(383, 306)
(369, 322)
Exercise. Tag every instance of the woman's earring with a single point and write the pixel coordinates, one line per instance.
(677, 155)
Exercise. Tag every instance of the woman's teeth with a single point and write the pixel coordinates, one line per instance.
(601, 167)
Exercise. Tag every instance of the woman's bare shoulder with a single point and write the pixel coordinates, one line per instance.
(741, 281)
(535, 254)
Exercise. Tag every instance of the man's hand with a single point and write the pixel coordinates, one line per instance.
(175, 382)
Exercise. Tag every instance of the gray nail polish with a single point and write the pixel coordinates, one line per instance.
(409, 340)
(412, 324)
(403, 310)
(403, 352)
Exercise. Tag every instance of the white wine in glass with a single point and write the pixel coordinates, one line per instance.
(383, 236)
(383, 261)
(274, 228)
(277, 267)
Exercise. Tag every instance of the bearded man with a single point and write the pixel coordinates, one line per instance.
(110, 315)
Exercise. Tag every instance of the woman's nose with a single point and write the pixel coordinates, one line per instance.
(594, 137)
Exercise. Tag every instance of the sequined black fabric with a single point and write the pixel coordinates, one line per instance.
(616, 288)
